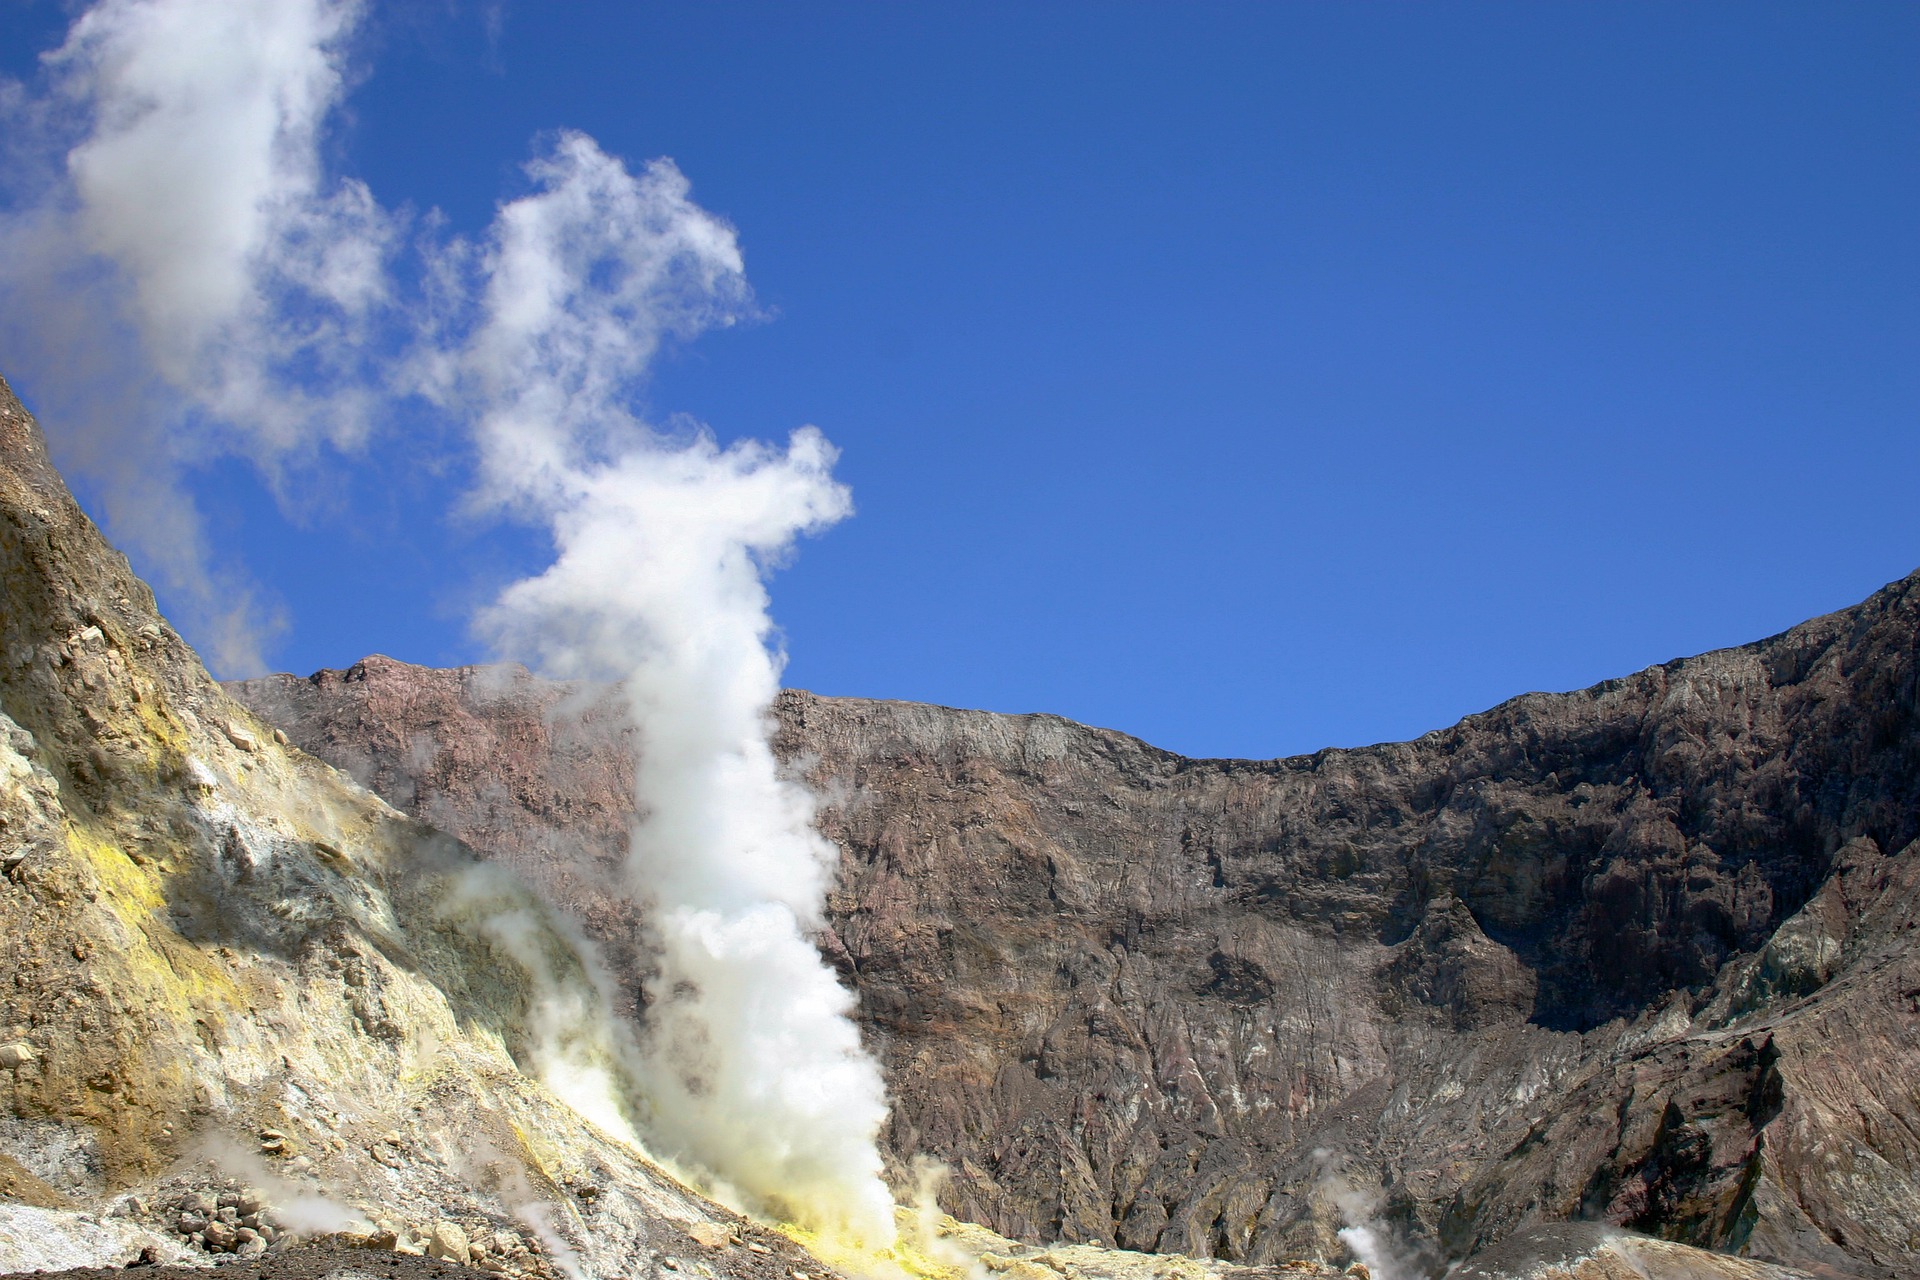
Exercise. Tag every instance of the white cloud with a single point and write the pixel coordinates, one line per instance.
(184, 237)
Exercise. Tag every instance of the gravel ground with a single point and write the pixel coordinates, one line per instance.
(322, 1261)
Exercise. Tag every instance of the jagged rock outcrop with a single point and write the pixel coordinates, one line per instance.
(1639, 954)
(221, 957)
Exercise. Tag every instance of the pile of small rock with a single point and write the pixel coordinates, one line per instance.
(230, 1220)
(502, 1252)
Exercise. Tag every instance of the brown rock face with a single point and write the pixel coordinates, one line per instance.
(1639, 954)
(535, 774)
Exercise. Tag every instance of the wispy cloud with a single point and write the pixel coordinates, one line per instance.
(184, 281)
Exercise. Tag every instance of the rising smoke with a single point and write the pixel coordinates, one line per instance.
(253, 311)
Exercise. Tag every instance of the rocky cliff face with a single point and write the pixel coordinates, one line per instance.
(1639, 954)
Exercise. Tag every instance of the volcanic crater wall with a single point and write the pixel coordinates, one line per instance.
(1639, 953)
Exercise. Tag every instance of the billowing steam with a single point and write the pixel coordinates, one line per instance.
(251, 299)
(662, 545)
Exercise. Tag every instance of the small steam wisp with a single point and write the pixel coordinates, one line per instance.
(257, 310)
(296, 1207)
(1367, 1236)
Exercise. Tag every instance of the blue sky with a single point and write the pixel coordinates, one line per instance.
(1251, 378)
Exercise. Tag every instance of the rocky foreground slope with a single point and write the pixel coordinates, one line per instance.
(1641, 954)
(242, 1000)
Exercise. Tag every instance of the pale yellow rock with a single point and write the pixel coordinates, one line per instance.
(449, 1243)
(1019, 1269)
(711, 1235)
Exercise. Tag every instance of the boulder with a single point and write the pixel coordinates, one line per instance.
(447, 1242)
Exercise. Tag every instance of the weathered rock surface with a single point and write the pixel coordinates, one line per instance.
(219, 956)
(1591, 1251)
(1639, 954)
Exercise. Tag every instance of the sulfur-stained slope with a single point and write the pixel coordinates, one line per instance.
(219, 954)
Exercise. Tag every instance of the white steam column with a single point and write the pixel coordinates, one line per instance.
(752, 1060)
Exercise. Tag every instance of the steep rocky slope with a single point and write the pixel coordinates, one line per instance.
(242, 998)
(1638, 954)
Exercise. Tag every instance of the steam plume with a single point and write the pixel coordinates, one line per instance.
(250, 303)
(663, 543)
(297, 1208)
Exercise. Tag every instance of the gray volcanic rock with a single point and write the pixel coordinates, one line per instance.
(1594, 1251)
(1639, 954)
